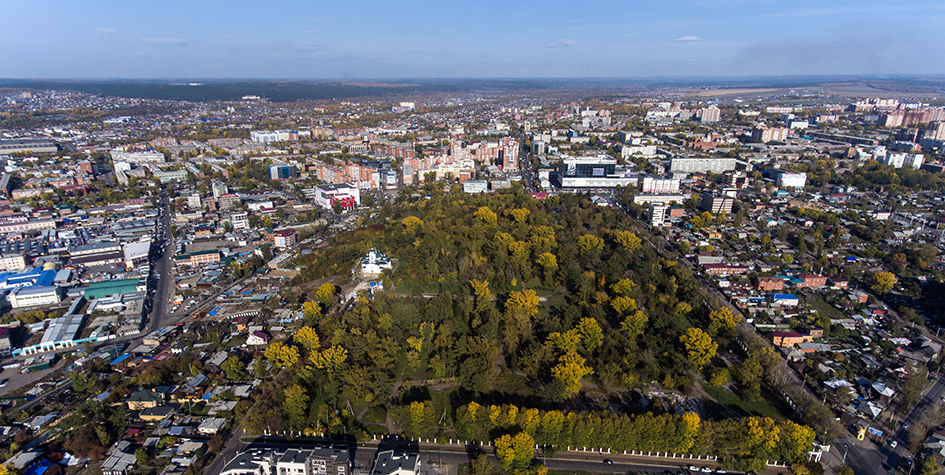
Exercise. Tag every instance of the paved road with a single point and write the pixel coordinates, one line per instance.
(446, 460)
(162, 267)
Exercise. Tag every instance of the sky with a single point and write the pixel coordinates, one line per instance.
(338, 39)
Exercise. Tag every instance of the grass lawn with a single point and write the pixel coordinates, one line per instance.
(768, 405)
(817, 302)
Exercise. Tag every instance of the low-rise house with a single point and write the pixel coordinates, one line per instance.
(393, 462)
(144, 399)
(258, 338)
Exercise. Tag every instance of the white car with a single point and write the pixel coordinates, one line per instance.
(893, 444)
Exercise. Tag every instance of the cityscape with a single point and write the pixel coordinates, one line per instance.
(472, 241)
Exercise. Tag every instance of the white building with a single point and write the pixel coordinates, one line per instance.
(33, 296)
(792, 180)
(659, 185)
(646, 151)
(903, 159)
(665, 199)
(12, 262)
(657, 214)
(702, 165)
(475, 186)
(325, 195)
(137, 157)
(218, 188)
(375, 262)
(239, 220)
(136, 253)
(193, 201)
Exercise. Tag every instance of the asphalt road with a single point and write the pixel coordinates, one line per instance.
(159, 317)
(447, 462)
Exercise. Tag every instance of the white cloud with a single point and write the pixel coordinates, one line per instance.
(688, 38)
(165, 41)
(565, 43)
(105, 31)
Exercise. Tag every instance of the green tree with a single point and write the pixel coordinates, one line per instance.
(295, 405)
(233, 369)
(591, 334)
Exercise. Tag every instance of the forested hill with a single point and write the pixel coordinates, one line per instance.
(523, 309)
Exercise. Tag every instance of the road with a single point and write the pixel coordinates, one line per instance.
(446, 460)
(161, 270)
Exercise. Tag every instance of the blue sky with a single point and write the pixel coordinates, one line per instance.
(443, 39)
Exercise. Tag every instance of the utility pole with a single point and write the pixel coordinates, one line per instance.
(845, 449)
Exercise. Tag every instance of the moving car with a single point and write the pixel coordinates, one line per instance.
(608, 462)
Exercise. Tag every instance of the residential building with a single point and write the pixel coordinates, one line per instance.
(284, 238)
(768, 284)
(789, 339)
(657, 214)
(218, 189)
(649, 198)
(258, 338)
(764, 134)
(724, 269)
(701, 165)
(812, 280)
(716, 203)
(12, 262)
(144, 399)
(709, 115)
(659, 185)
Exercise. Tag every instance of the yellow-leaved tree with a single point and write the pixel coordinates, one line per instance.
(330, 359)
(722, 322)
(307, 337)
(570, 369)
(515, 453)
(411, 223)
(487, 216)
(482, 293)
(627, 240)
(699, 346)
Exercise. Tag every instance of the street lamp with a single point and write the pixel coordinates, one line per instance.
(845, 449)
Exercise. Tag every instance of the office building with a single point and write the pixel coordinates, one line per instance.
(282, 172)
(594, 172)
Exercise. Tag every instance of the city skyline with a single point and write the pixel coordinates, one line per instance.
(213, 39)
